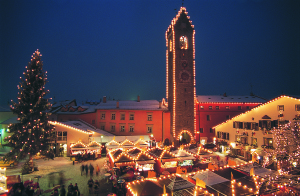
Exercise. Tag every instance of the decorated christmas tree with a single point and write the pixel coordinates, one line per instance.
(32, 133)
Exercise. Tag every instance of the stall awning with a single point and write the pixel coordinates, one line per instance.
(145, 162)
(185, 158)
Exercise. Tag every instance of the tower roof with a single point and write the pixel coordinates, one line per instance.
(181, 12)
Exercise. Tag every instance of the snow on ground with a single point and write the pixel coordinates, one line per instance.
(72, 174)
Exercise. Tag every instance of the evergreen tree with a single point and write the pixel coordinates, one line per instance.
(32, 133)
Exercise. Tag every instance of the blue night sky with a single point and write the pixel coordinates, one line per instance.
(116, 48)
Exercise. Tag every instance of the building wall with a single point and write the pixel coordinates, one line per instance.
(89, 118)
(159, 122)
(205, 111)
(270, 109)
(73, 136)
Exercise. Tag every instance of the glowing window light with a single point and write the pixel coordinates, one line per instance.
(183, 42)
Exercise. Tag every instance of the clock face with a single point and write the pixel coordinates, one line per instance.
(184, 76)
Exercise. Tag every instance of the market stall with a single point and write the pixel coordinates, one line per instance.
(165, 160)
(95, 149)
(76, 150)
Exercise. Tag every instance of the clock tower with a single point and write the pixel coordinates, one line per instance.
(180, 78)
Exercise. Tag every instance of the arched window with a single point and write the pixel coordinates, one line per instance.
(183, 41)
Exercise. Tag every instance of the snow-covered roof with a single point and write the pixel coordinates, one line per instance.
(5, 108)
(10, 120)
(229, 99)
(131, 105)
(78, 124)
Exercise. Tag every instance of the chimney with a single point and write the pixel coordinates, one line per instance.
(117, 104)
(159, 104)
(138, 98)
(104, 99)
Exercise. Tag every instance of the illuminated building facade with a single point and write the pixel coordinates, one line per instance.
(253, 132)
(180, 77)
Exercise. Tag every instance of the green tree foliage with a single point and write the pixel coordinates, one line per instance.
(32, 134)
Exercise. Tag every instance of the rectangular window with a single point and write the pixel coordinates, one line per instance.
(248, 107)
(211, 130)
(113, 128)
(297, 107)
(102, 116)
(217, 107)
(131, 116)
(149, 128)
(208, 117)
(62, 135)
(227, 136)
(254, 141)
(201, 130)
(268, 141)
(122, 116)
(102, 126)
(122, 128)
(227, 117)
(113, 116)
(280, 107)
(201, 107)
(227, 107)
(149, 116)
(239, 107)
(131, 128)
(210, 107)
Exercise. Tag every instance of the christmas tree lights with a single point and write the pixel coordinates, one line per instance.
(32, 134)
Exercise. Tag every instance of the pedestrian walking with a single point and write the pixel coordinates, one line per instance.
(70, 188)
(62, 191)
(96, 187)
(97, 170)
(86, 169)
(91, 168)
(82, 168)
(90, 184)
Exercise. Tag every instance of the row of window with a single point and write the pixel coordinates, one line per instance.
(208, 117)
(122, 128)
(223, 135)
(122, 116)
(226, 107)
(267, 124)
(244, 140)
(211, 130)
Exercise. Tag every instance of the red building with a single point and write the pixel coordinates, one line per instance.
(212, 110)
